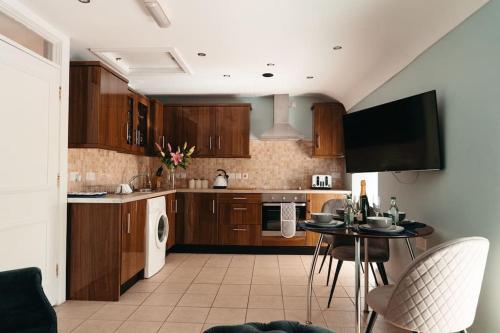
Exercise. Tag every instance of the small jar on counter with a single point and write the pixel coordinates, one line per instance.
(204, 183)
(198, 183)
(191, 183)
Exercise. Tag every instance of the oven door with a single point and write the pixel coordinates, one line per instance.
(271, 215)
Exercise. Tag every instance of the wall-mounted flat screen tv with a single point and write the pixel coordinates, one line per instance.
(396, 136)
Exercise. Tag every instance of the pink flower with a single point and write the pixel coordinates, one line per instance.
(176, 158)
(169, 147)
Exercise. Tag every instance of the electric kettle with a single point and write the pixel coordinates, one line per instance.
(220, 181)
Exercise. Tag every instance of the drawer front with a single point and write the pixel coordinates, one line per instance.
(239, 213)
(241, 234)
(240, 197)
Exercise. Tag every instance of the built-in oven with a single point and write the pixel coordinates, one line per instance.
(271, 211)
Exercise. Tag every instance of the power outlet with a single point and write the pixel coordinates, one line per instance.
(90, 176)
(75, 177)
(421, 243)
(244, 175)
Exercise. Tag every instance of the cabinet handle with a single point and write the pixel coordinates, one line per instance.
(239, 229)
(128, 223)
(219, 142)
(210, 143)
(126, 132)
(176, 206)
(138, 137)
(239, 208)
(239, 198)
(213, 206)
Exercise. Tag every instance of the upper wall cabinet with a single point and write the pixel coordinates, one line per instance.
(221, 130)
(140, 122)
(97, 104)
(328, 132)
(156, 127)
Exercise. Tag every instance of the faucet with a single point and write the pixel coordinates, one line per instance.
(148, 179)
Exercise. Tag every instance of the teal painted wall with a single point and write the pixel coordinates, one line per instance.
(464, 198)
(262, 110)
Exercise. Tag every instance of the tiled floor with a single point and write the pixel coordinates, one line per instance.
(196, 291)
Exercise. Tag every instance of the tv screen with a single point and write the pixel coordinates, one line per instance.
(396, 136)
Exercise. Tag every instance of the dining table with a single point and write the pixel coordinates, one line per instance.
(411, 230)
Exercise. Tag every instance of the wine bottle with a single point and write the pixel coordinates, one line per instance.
(363, 199)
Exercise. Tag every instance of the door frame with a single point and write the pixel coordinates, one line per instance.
(61, 43)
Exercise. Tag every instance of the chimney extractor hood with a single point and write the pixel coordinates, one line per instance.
(281, 130)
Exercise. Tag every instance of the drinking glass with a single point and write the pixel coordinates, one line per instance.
(376, 204)
(355, 205)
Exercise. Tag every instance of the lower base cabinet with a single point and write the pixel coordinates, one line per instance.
(133, 221)
(240, 234)
(171, 212)
(196, 219)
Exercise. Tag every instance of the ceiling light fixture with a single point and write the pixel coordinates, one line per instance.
(226, 75)
(309, 77)
(84, 1)
(157, 12)
(268, 75)
(202, 54)
(337, 47)
(270, 64)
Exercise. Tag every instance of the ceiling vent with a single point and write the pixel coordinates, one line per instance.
(143, 61)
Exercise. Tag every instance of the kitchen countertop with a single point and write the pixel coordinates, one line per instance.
(123, 198)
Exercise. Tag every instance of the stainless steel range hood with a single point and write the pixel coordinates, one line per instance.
(281, 130)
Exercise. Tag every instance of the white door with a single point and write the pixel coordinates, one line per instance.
(29, 139)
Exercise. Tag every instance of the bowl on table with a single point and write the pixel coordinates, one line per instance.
(379, 222)
(322, 217)
(402, 215)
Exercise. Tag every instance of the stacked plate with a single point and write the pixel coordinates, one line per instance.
(324, 220)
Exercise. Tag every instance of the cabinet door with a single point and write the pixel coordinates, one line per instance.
(196, 220)
(126, 136)
(128, 211)
(233, 131)
(172, 123)
(198, 128)
(156, 133)
(207, 218)
(142, 123)
(245, 234)
(236, 213)
(328, 130)
(139, 235)
(171, 214)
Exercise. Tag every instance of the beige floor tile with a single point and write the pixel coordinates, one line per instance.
(266, 279)
(264, 315)
(219, 261)
(240, 271)
(144, 286)
(178, 279)
(114, 312)
(298, 303)
(265, 290)
(274, 271)
(78, 309)
(226, 316)
(162, 299)
(211, 275)
(294, 280)
(234, 289)
(301, 316)
(200, 300)
(293, 272)
(265, 302)
(131, 298)
(291, 290)
(335, 319)
(242, 261)
(231, 301)
(101, 326)
(270, 261)
(207, 326)
(172, 288)
(160, 276)
(324, 291)
(188, 315)
(237, 279)
(65, 325)
(151, 313)
(180, 328)
(139, 326)
(203, 288)
(342, 304)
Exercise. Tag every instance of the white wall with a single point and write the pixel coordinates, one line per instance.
(464, 198)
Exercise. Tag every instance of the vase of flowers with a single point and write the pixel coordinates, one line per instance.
(175, 159)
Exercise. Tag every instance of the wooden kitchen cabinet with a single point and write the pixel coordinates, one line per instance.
(240, 221)
(220, 130)
(315, 202)
(140, 125)
(196, 219)
(156, 128)
(240, 234)
(133, 222)
(328, 133)
(97, 106)
(171, 214)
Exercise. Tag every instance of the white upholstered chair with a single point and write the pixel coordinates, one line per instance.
(438, 292)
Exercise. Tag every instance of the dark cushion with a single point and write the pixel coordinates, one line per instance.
(24, 308)
(273, 327)
(343, 249)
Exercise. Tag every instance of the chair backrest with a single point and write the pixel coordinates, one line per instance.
(440, 290)
(331, 205)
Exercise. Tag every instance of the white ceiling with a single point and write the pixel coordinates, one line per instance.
(379, 38)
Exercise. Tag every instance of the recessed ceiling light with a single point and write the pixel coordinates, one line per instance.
(270, 64)
(118, 59)
(226, 75)
(158, 13)
(337, 47)
(268, 75)
(84, 1)
(202, 54)
(309, 77)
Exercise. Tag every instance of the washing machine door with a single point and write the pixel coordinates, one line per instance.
(161, 230)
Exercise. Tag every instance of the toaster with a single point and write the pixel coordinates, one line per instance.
(321, 182)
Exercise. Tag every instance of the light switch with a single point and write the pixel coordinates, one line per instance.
(237, 175)
(74, 177)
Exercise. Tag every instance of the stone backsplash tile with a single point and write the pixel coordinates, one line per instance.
(273, 165)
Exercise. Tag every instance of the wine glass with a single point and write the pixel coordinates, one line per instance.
(355, 204)
(376, 204)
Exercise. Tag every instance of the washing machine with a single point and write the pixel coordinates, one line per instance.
(156, 235)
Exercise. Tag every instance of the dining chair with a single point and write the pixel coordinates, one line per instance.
(438, 292)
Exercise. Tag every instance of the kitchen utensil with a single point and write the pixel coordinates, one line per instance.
(322, 217)
(221, 180)
(379, 221)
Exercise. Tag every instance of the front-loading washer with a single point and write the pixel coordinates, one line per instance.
(156, 236)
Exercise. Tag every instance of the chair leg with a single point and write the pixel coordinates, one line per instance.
(382, 272)
(335, 278)
(329, 270)
(371, 322)
(324, 257)
(374, 275)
